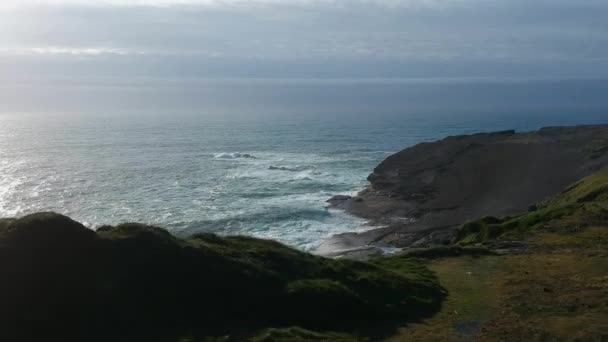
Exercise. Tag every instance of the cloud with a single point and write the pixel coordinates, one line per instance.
(70, 51)
(224, 3)
(316, 37)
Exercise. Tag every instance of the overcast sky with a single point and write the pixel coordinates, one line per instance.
(306, 38)
(177, 41)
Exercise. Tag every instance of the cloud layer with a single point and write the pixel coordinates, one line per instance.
(305, 38)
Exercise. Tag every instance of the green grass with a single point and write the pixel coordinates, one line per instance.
(4, 224)
(471, 303)
(447, 251)
(137, 282)
(555, 291)
(582, 204)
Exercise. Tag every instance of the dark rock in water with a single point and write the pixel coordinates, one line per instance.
(338, 198)
(281, 168)
(444, 183)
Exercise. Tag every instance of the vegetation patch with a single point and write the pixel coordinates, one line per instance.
(554, 289)
(581, 205)
(556, 292)
(446, 251)
(472, 300)
(551, 295)
(137, 282)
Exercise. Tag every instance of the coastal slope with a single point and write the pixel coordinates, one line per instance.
(64, 282)
(544, 276)
(423, 193)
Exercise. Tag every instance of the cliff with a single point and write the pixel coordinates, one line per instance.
(424, 193)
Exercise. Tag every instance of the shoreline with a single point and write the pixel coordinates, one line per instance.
(420, 196)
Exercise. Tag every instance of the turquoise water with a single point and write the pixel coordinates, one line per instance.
(262, 176)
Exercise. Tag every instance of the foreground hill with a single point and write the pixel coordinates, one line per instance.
(64, 282)
(537, 274)
(444, 183)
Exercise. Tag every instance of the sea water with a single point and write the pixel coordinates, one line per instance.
(267, 176)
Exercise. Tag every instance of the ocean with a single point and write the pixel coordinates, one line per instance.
(251, 173)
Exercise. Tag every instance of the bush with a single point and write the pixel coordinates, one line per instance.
(62, 281)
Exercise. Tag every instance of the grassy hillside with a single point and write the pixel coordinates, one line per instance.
(582, 204)
(550, 285)
(133, 282)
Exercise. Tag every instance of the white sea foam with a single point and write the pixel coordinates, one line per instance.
(295, 168)
(233, 155)
(265, 183)
(9, 185)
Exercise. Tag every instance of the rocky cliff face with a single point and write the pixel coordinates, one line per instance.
(424, 191)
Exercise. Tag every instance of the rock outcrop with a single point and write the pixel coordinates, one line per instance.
(421, 194)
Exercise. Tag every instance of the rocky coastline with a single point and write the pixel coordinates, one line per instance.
(506, 237)
(420, 196)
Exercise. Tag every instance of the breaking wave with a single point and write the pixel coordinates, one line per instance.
(234, 155)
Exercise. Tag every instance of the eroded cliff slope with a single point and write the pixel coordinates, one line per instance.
(424, 192)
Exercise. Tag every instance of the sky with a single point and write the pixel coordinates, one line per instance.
(183, 43)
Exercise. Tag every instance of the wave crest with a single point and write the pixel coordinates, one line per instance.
(284, 168)
(234, 155)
